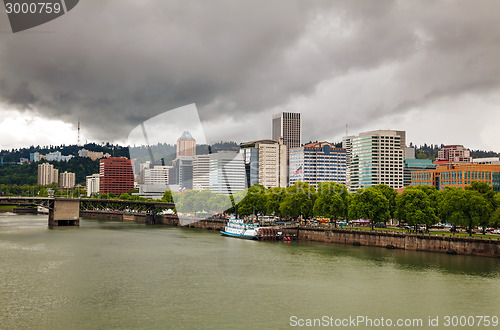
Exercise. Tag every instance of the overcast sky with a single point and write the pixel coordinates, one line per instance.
(431, 68)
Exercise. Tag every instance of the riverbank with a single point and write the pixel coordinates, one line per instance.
(386, 239)
(6, 208)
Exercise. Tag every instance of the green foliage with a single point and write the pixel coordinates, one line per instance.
(414, 207)
(370, 204)
(331, 201)
(389, 193)
(483, 188)
(489, 195)
(495, 216)
(124, 196)
(204, 201)
(28, 173)
(167, 197)
(299, 200)
(274, 198)
(254, 202)
(27, 190)
(467, 208)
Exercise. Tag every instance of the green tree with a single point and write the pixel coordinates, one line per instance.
(487, 192)
(467, 208)
(451, 207)
(414, 207)
(483, 188)
(219, 203)
(167, 197)
(254, 201)
(369, 203)
(495, 216)
(274, 197)
(331, 201)
(390, 194)
(124, 196)
(299, 200)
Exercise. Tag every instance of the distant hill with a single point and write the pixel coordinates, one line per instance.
(13, 173)
(431, 151)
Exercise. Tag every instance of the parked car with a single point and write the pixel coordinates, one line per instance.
(495, 231)
(380, 225)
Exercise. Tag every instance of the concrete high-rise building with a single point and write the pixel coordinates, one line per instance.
(92, 184)
(201, 172)
(317, 162)
(116, 175)
(347, 145)
(186, 145)
(455, 154)
(289, 126)
(156, 175)
(227, 172)
(265, 163)
(377, 157)
(181, 173)
(47, 174)
(66, 180)
(410, 153)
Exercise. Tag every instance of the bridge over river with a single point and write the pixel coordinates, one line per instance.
(66, 211)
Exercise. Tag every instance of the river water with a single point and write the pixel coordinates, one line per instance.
(115, 275)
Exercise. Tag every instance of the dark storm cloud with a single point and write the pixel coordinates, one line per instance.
(116, 63)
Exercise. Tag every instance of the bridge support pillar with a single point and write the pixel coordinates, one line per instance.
(64, 212)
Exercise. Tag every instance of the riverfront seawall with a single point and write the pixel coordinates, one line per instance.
(210, 224)
(406, 241)
(384, 239)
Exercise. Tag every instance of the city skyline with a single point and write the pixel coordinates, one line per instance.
(430, 76)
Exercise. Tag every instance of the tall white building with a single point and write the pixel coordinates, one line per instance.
(227, 172)
(92, 184)
(156, 175)
(347, 145)
(47, 174)
(377, 157)
(66, 180)
(201, 172)
(265, 163)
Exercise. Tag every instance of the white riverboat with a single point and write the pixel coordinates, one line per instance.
(241, 229)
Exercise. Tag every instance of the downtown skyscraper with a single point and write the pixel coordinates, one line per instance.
(287, 126)
(376, 157)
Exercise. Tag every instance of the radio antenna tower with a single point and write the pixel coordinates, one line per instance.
(78, 141)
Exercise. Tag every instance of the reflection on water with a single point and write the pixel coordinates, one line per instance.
(125, 275)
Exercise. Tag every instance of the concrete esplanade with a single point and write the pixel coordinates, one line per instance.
(66, 211)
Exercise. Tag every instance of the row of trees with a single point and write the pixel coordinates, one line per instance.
(477, 205)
